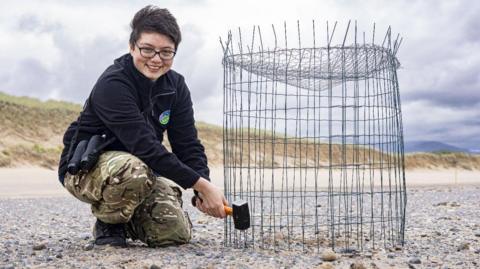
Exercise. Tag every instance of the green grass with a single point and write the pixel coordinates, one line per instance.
(34, 102)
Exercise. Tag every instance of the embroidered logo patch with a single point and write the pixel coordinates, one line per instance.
(164, 117)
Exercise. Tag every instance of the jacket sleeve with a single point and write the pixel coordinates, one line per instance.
(183, 135)
(117, 108)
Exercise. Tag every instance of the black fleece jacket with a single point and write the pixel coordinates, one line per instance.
(127, 105)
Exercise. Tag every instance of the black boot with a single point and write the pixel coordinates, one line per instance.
(109, 234)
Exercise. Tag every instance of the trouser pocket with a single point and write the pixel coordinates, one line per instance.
(117, 184)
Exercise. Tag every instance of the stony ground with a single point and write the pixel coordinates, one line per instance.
(443, 231)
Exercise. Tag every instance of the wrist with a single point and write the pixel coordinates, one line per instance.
(201, 184)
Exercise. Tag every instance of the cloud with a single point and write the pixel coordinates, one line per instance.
(58, 49)
(201, 67)
(29, 23)
(83, 63)
(423, 120)
(28, 76)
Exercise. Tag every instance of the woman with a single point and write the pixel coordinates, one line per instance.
(134, 101)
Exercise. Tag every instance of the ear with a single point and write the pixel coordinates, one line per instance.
(131, 48)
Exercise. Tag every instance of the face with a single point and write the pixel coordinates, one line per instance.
(155, 67)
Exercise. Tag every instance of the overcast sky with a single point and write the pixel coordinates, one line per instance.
(57, 49)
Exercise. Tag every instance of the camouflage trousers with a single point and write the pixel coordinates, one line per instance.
(122, 189)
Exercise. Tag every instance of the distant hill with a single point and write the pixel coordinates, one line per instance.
(31, 135)
(431, 146)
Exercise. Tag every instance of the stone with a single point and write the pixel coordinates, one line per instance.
(415, 260)
(326, 265)
(279, 236)
(357, 265)
(85, 236)
(39, 246)
(391, 256)
(463, 246)
(328, 255)
(154, 266)
(88, 246)
(441, 204)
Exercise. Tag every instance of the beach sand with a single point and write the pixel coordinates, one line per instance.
(29, 182)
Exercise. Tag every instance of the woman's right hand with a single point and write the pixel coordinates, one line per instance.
(211, 200)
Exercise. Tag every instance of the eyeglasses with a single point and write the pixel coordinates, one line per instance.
(149, 53)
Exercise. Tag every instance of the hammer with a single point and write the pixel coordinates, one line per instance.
(239, 211)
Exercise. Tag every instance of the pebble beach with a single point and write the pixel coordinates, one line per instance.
(442, 231)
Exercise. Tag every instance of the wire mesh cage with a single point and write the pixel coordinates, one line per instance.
(313, 139)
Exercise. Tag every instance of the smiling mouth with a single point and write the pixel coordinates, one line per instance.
(153, 68)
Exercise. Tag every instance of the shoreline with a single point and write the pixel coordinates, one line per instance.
(35, 182)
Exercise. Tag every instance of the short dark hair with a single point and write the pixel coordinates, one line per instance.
(157, 20)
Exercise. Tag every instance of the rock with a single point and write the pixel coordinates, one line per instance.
(463, 246)
(59, 256)
(328, 255)
(415, 260)
(454, 204)
(391, 256)
(326, 265)
(200, 253)
(154, 266)
(477, 234)
(357, 265)
(39, 246)
(441, 204)
(88, 246)
(85, 236)
(279, 236)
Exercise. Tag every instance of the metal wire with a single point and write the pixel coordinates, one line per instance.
(313, 139)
